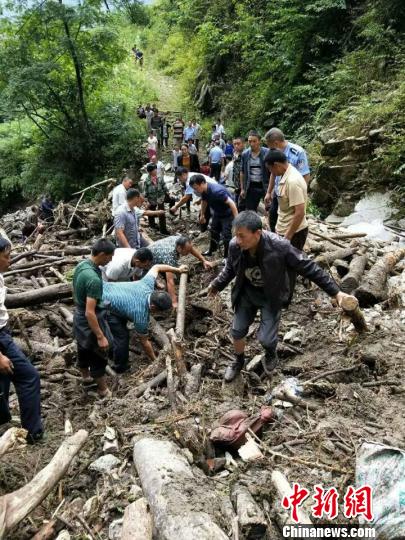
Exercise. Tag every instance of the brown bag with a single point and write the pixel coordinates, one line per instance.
(230, 430)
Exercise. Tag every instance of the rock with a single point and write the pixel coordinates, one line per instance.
(333, 148)
(105, 464)
(344, 206)
(91, 506)
(376, 135)
(63, 535)
(115, 529)
(250, 451)
(293, 336)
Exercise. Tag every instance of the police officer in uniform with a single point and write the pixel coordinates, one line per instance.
(296, 156)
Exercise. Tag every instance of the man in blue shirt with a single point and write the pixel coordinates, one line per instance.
(296, 156)
(216, 159)
(223, 210)
(134, 301)
(189, 132)
(254, 177)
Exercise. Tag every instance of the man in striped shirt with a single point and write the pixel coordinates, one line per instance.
(134, 301)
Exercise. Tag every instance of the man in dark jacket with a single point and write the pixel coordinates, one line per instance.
(254, 176)
(260, 260)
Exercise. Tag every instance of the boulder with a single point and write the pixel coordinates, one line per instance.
(105, 464)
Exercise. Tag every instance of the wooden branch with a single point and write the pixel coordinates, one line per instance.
(356, 269)
(57, 274)
(138, 524)
(36, 266)
(327, 258)
(156, 381)
(75, 210)
(373, 288)
(328, 238)
(251, 518)
(39, 296)
(295, 400)
(181, 308)
(347, 236)
(158, 333)
(170, 384)
(23, 255)
(108, 180)
(13, 438)
(331, 372)
(66, 314)
(350, 306)
(177, 352)
(16, 506)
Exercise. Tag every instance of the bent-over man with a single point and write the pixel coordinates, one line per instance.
(134, 302)
(127, 264)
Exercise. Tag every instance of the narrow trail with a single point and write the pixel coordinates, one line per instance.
(166, 88)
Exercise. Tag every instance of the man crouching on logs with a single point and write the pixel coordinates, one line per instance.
(260, 260)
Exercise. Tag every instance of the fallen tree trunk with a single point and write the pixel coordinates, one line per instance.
(183, 505)
(284, 489)
(181, 308)
(69, 250)
(138, 524)
(39, 296)
(11, 439)
(328, 238)
(373, 288)
(327, 258)
(16, 506)
(356, 269)
(159, 334)
(33, 268)
(252, 522)
(350, 306)
(156, 381)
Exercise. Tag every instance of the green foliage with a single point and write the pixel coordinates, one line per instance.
(67, 75)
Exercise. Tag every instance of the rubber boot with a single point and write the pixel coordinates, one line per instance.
(270, 362)
(213, 247)
(235, 368)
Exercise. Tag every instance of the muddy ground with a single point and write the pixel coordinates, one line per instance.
(316, 446)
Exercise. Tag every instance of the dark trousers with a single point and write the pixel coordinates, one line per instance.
(253, 197)
(207, 215)
(215, 171)
(162, 219)
(273, 214)
(197, 144)
(120, 332)
(221, 225)
(298, 241)
(93, 360)
(26, 381)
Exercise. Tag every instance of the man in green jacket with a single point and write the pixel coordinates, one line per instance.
(157, 194)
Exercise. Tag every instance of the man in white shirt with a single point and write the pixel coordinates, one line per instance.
(16, 368)
(127, 263)
(119, 194)
(159, 166)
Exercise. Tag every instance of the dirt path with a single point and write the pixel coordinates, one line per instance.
(166, 88)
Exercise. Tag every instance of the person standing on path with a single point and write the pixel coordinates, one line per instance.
(254, 176)
(16, 368)
(148, 116)
(156, 125)
(296, 155)
(119, 193)
(92, 333)
(157, 194)
(178, 128)
(239, 147)
(152, 145)
(197, 133)
(190, 161)
(258, 261)
(216, 160)
(223, 211)
(126, 222)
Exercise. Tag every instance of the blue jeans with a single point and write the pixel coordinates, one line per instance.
(26, 381)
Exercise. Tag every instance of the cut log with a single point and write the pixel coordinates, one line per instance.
(156, 381)
(31, 269)
(284, 489)
(170, 383)
(356, 269)
(66, 314)
(70, 250)
(23, 255)
(328, 238)
(252, 523)
(138, 524)
(346, 236)
(181, 308)
(159, 334)
(328, 258)
(13, 438)
(57, 274)
(193, 380)
(350, 306)
(71, 232)
(373, 288)
(16, 506)
(177, 352)
(39, 296)
(36, 347)
(341, 266)
(39, 240)
(183, 505)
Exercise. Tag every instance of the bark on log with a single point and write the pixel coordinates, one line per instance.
(328, 238)
(373, 288)
(36, 347)
(138, 524)
(181, 308)
(36, 266)
(252, 522)
(182, 504)
(39, 296)
(16, 506)
(356, 269)
(327, 258)
(193, 380)
(70, 250)
(177, 352)
(156, 381)
(38, 242)
(23, 255)
(170, 383)
(159, 334)
(284, 489)
(341, 266)
(66, 314)
(13, 438)
(350, 306)
(71, 232)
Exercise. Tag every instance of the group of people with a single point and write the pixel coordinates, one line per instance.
(119, 282)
